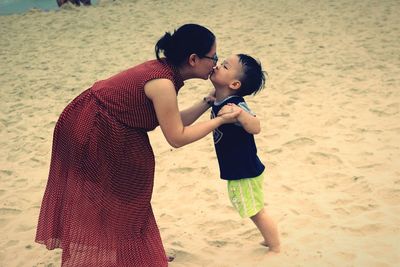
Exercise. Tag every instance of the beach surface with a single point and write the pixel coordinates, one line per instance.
(330, 117)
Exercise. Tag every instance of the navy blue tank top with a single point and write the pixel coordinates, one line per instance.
(236, 149)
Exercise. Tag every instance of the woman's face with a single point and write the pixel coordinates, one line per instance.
(227, 72)
(208, 62)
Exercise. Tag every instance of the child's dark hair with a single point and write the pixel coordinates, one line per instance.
(253, 77)
(188, 39)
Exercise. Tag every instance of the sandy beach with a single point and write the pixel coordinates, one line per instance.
(330, 118)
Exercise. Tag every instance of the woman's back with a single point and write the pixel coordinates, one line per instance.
(123, 95)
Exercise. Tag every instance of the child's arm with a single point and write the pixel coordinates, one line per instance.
(248, 121)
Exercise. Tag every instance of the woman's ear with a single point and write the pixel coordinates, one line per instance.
(192, 59)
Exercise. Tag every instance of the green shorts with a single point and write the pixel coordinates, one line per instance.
(247, 195)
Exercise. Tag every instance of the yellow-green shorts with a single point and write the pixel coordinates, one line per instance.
(247, 195)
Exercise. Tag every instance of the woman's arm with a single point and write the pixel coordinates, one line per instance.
(249, 122)
(163, 95)
(191, 114)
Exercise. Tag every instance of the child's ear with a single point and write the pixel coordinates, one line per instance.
(192, 59)
(235, 85)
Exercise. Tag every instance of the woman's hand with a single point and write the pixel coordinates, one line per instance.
(210, 98)
(212, 93)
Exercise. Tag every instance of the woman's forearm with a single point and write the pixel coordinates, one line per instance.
(195, 132)
(191, 114)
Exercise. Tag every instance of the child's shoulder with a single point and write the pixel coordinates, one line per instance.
(240, 102)
(234, 99)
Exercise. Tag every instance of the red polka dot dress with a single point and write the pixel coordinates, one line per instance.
(96, 206)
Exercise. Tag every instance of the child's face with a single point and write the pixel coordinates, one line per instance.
(227, 73)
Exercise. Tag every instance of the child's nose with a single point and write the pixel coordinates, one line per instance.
(215, 67)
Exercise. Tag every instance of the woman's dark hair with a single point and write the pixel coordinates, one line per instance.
(188, 39)
(253, 77)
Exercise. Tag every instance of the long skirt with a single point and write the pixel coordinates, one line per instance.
(96, 206)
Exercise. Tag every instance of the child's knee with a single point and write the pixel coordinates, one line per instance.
(259, 214)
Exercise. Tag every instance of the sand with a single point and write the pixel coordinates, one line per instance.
(330, 119)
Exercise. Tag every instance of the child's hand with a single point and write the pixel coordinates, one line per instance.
(228, 108)
(230, 112)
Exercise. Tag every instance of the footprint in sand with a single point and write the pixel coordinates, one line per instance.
(390, 196)
(274, 151)
(332, 121)
(287, 188)
(4, 222)
(25, 227)
(217, 243)
(294, 211)
(299, 143)
(346, 256)
(12, 243)
(359, 187)
(6, 215)
(214, 228)
(389, 110)
(182, 170)
(8, 211)
(2, 192)
(357, 209)
(177, 243)
(188, 187)
(369, 166)
(209, 195)
(396, 130)
(321, 158)
(315, 211)
(181, 255)
(342, 211)
(334, 179)
(363, 208)
(6, 172)
(361, 230)
(312, 237)
(353, 138)
(251, 234)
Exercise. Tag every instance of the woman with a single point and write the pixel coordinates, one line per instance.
(96, 206)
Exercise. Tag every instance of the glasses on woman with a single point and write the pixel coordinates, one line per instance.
(214, 58)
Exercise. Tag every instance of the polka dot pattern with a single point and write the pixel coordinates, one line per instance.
(96, 205)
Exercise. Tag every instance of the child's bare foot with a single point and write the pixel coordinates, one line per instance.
(275, 249)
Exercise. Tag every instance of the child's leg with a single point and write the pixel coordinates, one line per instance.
(268, 229)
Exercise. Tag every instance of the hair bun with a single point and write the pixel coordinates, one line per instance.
(188, 39)
(165, 41)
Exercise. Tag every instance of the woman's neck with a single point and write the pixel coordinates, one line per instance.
(185, 73)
